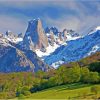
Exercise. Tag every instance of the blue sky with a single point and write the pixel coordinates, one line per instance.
(80, 15)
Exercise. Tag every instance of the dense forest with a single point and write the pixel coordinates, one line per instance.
(21, 84)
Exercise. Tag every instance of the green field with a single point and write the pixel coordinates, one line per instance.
(71, 91)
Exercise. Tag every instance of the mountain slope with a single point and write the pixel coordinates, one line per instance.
(75, 49)
(87, 61)
(94, 58)
(13, 59)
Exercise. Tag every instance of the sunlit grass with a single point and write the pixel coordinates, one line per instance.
(70, 91)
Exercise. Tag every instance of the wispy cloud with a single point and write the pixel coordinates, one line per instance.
(82, 25)
(11, 23)
(70, 14)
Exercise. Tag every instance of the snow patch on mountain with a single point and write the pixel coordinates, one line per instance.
(14, 39)
(56, 64)
(98, 28)
(94, 30)
(49, 50)
(94, 49)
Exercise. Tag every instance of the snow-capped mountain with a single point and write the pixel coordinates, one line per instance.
(39, 47)
(44, 42)
(75, 49)
(13, 59)
(56, 40)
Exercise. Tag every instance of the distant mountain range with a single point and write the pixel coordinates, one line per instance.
(75, 49)
(39, 48)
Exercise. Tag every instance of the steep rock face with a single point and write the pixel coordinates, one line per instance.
(51, 38)
(35, 37)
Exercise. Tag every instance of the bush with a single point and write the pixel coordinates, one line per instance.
(21, 96)
(89, 77)
(23, 91)
(95, 89)
(85, 74)
(42, 84)
(94, 77)
(52, 80)
(68, 75)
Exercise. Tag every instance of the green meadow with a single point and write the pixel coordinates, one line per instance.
(69, 91)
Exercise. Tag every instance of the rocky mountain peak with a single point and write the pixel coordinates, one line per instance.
(35, 35)
(13, 38)
(1, 35)
(54, 30)
(10, 34)
(47, 30)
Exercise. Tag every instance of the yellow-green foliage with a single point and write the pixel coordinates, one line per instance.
(24, 83)
(72, 91)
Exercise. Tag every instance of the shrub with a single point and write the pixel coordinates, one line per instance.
(85, 74)
(95, 89)
(94, 77)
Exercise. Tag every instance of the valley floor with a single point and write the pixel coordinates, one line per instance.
(71, 91)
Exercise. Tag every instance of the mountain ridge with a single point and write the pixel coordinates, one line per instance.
(76, 49)
(13, 59)
(39, 48)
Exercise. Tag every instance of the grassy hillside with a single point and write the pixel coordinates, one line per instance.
(72, 91)
(76, 75)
